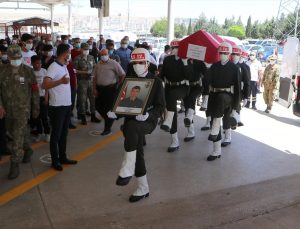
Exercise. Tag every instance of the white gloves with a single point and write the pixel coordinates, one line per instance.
(185, 62)
(142, 118)
(112, 115)
(235, 115)
(245, 102)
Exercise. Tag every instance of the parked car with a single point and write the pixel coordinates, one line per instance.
(267, 42)
(256, 48)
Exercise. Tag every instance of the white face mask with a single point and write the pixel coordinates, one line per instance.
(224, 58)
(104, 58)
(85, 52)
(49, 42)
(175, 52)
(28, 46)
(50, 53)
(252, 57)
(4, 57)
(16, 63)
(124, 46)
(242, 60)
(91, 47)
(66, 42)
(5, 45)
(140, 70)
(236, 59)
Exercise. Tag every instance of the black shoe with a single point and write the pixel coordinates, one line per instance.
(68, 162)
(57, 166)
(181, 111)
(254, 108)
(88, 113)
(233, 123)
(247, 105)
(94, 119)
(133, 198)
(212, 138)
(205, 128)
(14, 171)
(106, 132)
(240, 124)
(72, 126)
(123, 181)
(83, 120)
(202, 109)
(224, 144)
(187, 122)
(165, 128)
(212, 158)
(27, 156)
(188, 139)
(267, 111)
(172, 149)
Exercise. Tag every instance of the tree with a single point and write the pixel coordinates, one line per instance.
(249, 27)
(239, 22)
(236, 31)
(255, 30)
(180, 30)
(190, 28)
(201, 23)
(229, 22)
(160, 28)
(214, 27)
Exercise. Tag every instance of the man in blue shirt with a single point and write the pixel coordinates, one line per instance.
(124, 53)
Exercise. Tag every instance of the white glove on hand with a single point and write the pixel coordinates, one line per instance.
(245, 102)
(235, 115)
(185, 62)
(112, 115)
(142, 118)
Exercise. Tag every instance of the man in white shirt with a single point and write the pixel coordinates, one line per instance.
(57, 82)
(256, 76)
(27, 53)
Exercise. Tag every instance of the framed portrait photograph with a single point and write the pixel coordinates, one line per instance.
(133, 96)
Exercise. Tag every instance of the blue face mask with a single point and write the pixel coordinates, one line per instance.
(77, 46)
(110, 52)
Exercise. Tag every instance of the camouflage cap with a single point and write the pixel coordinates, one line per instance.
(273, 57)
(14, 51)
(85, 46)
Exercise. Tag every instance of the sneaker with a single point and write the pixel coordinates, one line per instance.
(106, 132)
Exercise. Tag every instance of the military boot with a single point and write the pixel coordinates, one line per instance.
(94, 118)
(14, 171)
(27, 156)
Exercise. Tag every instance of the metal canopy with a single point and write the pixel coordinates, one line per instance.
(40, 2)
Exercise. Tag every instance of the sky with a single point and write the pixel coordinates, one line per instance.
(258, 9)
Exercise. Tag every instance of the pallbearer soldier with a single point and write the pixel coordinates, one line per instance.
(175, 74)
(224, 97)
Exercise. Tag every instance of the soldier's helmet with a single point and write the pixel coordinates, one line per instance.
(236, 50)
(273, 57)
(175, 43)
(140, 54)
(225, 47)
(85, 46)
(14, 52)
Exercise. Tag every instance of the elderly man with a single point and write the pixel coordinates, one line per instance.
(108, 74)
(124, 53)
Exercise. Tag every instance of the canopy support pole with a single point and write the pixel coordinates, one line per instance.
(171, 21)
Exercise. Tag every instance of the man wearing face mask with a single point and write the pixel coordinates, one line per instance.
(124, 53)
(136, 127)
(107, 76)
(175, 73)
(57, 82)
(47, 57)
(93, 51)
(19, 96)
(27, 45)
(269, 82)
(111, 51)
(223, 79)
(237, 58)
(65, 40)
(256, 76)
(77, 48)
(84, 65)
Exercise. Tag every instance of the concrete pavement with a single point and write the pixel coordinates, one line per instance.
(256, 183)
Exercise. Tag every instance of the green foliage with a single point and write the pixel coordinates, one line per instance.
(190, 28)
(248, 27)
(236, 31)
(160, 28)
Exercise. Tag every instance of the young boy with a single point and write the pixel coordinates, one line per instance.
(42, 122)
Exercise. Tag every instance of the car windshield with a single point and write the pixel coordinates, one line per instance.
(259, 42)
(269, 48)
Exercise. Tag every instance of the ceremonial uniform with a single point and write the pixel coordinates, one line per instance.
(224, 96)
(19, 96)
(175, 72)
(198, 69)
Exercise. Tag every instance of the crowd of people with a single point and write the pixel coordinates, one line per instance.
(43, 80)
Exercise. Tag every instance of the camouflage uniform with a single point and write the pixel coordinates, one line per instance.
(18, 96)
(270, 80)
(85, 87)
